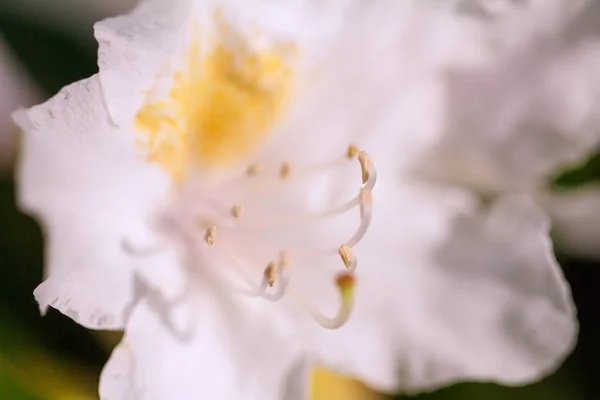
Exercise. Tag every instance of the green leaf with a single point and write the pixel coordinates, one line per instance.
(578, 175)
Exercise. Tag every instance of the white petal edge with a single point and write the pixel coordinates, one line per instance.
(134, 48)
(575, 217)
(91, 189)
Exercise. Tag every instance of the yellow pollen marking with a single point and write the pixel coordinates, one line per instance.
(220, 107)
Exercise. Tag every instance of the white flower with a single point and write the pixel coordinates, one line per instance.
(214, 155)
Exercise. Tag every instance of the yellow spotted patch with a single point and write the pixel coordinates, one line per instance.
(220, 107)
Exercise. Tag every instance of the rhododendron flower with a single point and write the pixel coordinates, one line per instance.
(236, 189)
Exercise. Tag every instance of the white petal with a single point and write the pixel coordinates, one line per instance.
(448, 290)
(245, 356)
(394, 90)
(133, 49)
(532, 109)
(92, 190)
(575, 220)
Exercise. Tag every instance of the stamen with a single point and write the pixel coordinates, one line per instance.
(236, 211)
(254, 169)
(352, 151)
(210, 236)
(276, 275)
(271, 273)
(364, 160)
(285, 170)
(345, 283)
(348, 257)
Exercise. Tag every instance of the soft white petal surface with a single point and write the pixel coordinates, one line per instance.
(449, 289)
(533, 108)
(247, 353)
(92, 190)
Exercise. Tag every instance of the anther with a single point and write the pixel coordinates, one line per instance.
(365, 162)
(285, 170)
(346, 255)
(236, 211)
(352, 151)
(254, 169)
(271, 273)
(210, 236)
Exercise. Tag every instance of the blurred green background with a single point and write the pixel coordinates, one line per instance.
(53, 358)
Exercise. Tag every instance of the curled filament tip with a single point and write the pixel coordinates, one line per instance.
(345, 283)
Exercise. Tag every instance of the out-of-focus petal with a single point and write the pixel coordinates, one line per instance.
(532, 109)
(17, 91)
(330, 386)
(453, 290)
(245, 354)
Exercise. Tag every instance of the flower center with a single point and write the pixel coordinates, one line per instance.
(252, 229)
(244, 231)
